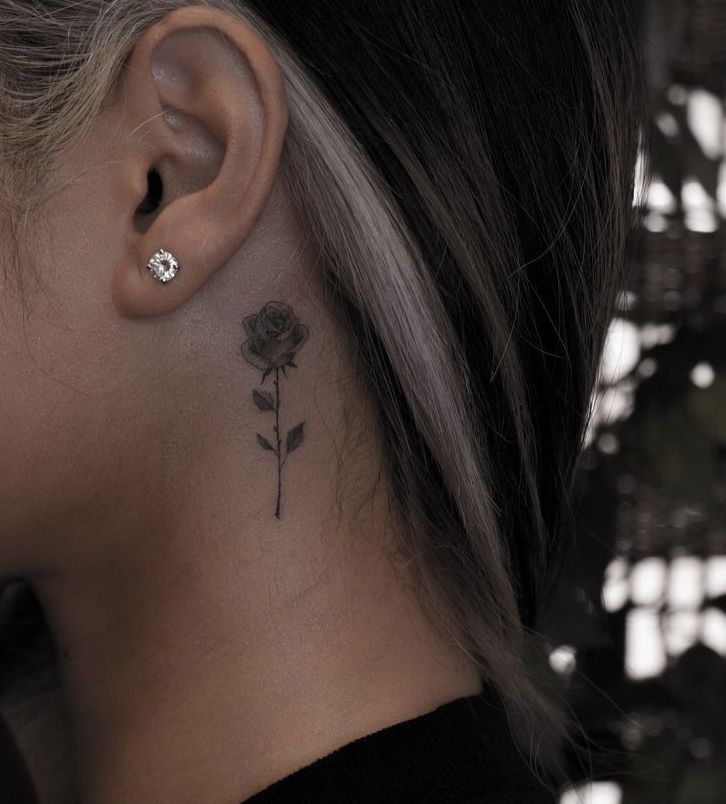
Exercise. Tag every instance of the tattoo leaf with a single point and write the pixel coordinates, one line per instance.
(263, 400)
(264, 443)
(294, 438)
(265, 373)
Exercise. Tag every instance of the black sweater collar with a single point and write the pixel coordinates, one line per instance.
(461, 751)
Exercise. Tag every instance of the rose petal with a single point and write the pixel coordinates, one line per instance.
(300, 335)
(277, 318)
(260, 327)
(249, 324)
(250, 354)
(281, 352)
(266, 348)
(278, 307)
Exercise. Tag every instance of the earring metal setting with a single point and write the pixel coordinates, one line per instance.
(163, 266)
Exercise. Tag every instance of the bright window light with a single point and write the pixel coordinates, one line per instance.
(616, 586)
(713, 630)
(685, 585)
(645, 655)
(594, 793)
(702, 375)
(716, 576)
(648, 581)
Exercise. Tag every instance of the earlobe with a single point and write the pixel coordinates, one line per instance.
(204, 105)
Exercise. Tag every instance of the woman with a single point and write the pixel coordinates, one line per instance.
(302, 308)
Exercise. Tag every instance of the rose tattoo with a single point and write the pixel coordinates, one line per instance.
(275, 337)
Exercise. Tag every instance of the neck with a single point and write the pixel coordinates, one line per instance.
(214, 648)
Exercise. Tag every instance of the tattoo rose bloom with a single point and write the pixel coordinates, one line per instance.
(275, 337)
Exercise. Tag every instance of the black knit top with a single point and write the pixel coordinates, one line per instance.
(460, 752)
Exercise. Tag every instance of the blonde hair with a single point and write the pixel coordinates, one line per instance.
(421, 249)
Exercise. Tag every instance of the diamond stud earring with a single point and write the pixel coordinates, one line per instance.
(163, 266)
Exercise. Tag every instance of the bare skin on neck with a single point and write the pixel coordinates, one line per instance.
(208, 647)
(207, 668)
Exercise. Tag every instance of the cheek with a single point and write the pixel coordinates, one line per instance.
(51, 409)
(62, 387)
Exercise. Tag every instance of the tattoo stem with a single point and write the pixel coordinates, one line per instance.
(277, 434)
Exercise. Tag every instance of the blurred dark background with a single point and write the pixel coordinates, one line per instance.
(637, 628)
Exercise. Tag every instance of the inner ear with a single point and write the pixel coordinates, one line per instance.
(192, 163)
(197, 156)
(149, 207)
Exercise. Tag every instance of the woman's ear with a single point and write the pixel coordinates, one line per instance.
(202, 121)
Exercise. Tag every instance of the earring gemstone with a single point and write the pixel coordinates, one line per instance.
(163, 266)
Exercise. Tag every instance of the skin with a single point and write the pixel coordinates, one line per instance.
(207, 648)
